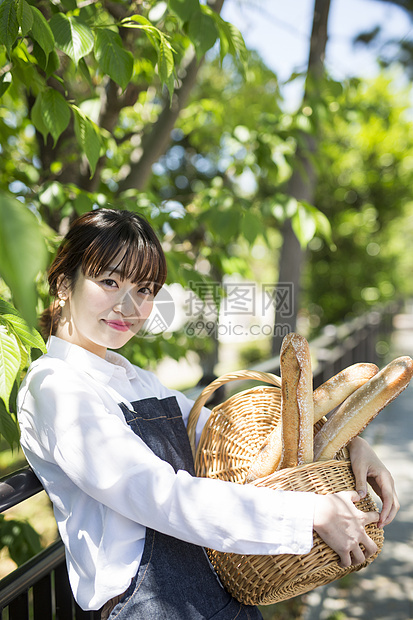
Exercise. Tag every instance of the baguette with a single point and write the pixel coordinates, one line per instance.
(268, 457)
(361, 407)
(325, 398)
(334, 391)
(297, 409)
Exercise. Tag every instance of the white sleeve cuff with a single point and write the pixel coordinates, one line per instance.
(297, 523)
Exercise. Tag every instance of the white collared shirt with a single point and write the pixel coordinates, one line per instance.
(106, 485)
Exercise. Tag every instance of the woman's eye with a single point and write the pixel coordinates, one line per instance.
(145, 290)
(109, 282)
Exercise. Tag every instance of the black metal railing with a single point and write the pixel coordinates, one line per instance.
(340, 346)
(39, 589)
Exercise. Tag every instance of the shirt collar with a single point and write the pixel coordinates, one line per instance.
(97, 367)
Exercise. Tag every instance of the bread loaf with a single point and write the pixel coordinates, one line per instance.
(334, 391)
(268, 457)
(297, 409)
(325, 398)
(353, 415)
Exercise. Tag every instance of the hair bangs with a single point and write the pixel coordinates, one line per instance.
(141, 263)
(133, 257)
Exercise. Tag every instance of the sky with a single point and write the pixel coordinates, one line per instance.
(280, 31)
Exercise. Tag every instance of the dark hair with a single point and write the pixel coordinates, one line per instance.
(103, 238)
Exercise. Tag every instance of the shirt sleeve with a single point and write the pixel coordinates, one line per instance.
(65, 421)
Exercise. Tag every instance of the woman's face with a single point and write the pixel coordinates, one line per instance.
(104, 312)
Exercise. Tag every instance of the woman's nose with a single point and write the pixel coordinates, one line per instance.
(126, 305)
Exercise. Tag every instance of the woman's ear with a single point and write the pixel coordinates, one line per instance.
(63, 288)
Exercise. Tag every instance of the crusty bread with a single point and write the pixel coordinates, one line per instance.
(297, 409)
(326, 398)
(268, 457)
(334, 391)
(361, 407)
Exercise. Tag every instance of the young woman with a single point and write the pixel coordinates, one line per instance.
(108, 442)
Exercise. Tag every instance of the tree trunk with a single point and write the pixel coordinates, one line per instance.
(302, 185)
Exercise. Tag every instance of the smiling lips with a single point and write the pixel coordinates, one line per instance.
(120, 326)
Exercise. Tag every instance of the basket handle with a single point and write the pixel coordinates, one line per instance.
(194, 414)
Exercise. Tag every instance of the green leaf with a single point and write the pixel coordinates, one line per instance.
(304, 224)
(88, 137)
(321, 221)
(7, 308)
(27, 338)
(163, 48)
(51, 113)
(24, 358)
(41, 31)
(5, 81)
(251, 226)
(224, 225)
(203, 33)
(22, 541)
(30, 338)
(9, 25)
(49, 63)
(166, 65)
(53, 195)
(53, 64)
(23, 254)
(10, 358)
(184, 9)
(85, 72)
(138, 21)
(323, 226)
(238, 48)
(40, 56)
(37, 117)
(25, 71)
(70, 5)
(113, 59)
(8, 426)
(231, 40)
(82, 204)
(72, 36)
(24, 16)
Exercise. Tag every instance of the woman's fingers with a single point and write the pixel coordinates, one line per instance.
(370, 517)
(358, 555)
(363, 547)
(342, 526)
(367, 467)
(387, 516)
(388, 496)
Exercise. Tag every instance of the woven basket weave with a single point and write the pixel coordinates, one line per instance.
(230, 439)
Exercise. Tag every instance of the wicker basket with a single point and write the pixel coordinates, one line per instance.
(230, 439)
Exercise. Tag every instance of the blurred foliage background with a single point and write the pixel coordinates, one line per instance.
(158, 107)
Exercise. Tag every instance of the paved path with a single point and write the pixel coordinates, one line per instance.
(383, 590)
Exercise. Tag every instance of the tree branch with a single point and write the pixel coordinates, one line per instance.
(111, 106)
(156, 141)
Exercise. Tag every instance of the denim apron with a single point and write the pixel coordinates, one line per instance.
(175, 580)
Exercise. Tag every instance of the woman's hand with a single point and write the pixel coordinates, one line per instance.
(367, 467)
(342, 526)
